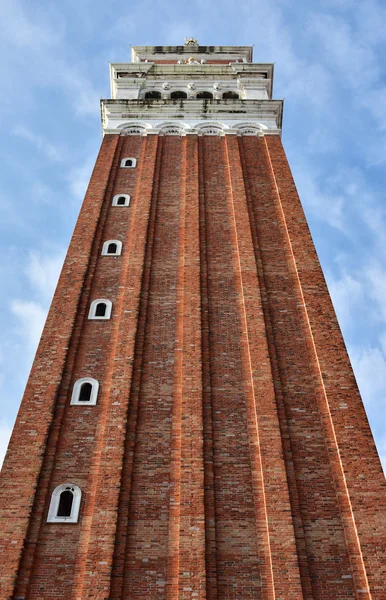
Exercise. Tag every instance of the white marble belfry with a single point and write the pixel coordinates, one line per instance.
(177, 90)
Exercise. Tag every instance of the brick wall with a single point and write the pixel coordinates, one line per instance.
(229, 455)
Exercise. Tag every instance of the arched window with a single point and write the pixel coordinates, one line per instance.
(121, 200)
(153, 95)
(230, 96)
(65, 504)
(100, 309)
(66, 499)
(85, 391)
(208, 95)
(112, 248)
(178, 95)
(129, 163)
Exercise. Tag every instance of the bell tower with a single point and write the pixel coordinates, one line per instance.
(191, 428)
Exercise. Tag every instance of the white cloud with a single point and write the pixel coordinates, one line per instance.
(345, 292)
(48, 62)
(31, 316)
(326, 205)
(20, 31)
(5, 434)
(354, 58)
(355, 61)
(381, 447)
(79, 178)
(370, 367)
(43, 272)
(79, 88)
(376, 275)
(39, 142)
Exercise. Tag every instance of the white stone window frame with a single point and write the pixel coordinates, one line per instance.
(54, 504)
(76, 392)
(105, 248)
(124, 166)
(93, 307)
(115, 200)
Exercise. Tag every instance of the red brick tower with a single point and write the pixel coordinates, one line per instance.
(192, 428)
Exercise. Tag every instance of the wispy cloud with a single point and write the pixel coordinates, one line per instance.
(5, 434)
(51, 151)
(31, 317)
(79, 177)
(43, 272)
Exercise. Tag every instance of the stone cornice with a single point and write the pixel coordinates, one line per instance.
(117, 113)
(162, 52)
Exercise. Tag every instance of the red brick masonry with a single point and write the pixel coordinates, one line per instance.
(229, 455)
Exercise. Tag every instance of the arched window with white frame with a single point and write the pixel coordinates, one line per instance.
(112, 248)
(129, 163)
(121, 200)
(85, 391)
(65, 504)
(100, 309)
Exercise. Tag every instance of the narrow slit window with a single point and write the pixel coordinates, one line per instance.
(65, 504)
(112, 248)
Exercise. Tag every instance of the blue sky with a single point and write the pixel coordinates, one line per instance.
(330, 69)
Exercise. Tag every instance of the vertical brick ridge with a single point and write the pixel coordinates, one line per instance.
(120, 566)
(146, 565)
(191, 511)
(209, 484)
(40, 394)
(279, 569)
(337, 469)
(43, 496)
(246, 144)
(96, 547)
(176, 442)
(323, 528)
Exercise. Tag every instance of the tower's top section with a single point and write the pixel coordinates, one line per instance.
(191, 86)
(192, 54)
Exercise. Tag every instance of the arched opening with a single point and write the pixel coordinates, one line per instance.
(129, 162)
(230, 96)
(85, 392)
(65, 504)
(112, 248)
(207, 95)
(178, 95)
(121, 201)
(153, 95)
(100, 310)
